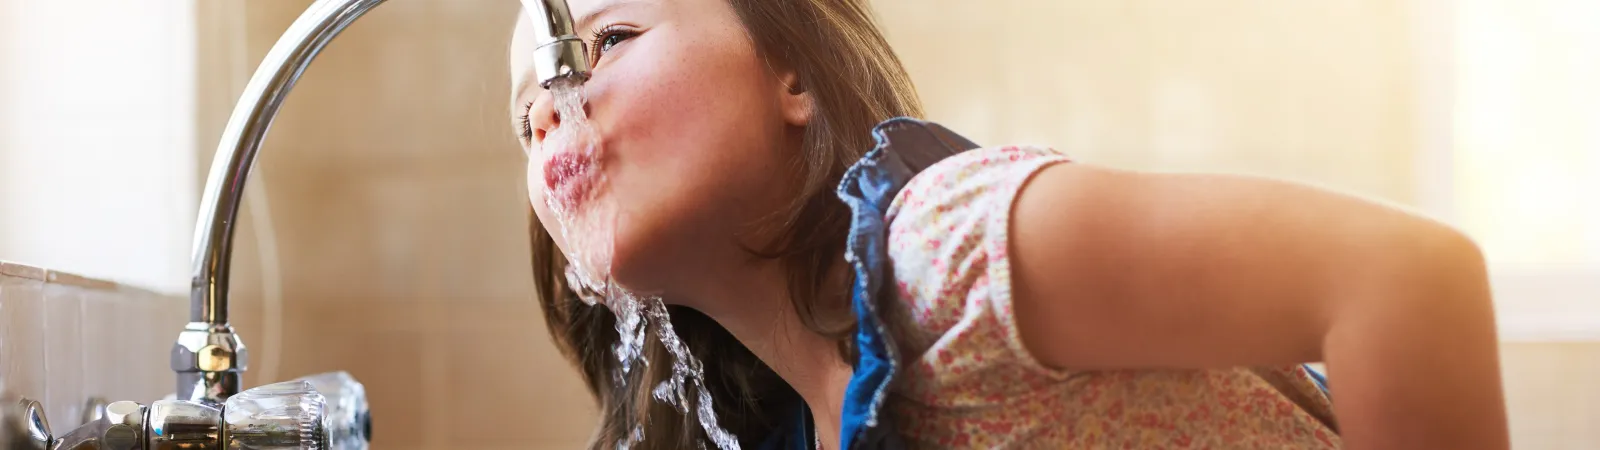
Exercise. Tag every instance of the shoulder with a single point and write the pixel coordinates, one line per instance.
(947, 232)
(970, 182)
(982, 168)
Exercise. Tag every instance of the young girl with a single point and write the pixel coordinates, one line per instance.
(856, 278)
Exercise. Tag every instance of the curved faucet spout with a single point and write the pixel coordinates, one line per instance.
(560, 52)
(208, 356)
(236, 154)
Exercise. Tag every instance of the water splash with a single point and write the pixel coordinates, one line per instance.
(573, 152)
(587, 220)
(687, 375)
(630, 326)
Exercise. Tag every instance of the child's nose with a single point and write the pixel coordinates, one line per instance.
(542, 117)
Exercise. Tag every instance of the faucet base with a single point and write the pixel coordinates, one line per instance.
(209, 360)
(211, 388)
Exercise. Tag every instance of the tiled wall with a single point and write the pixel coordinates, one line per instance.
(65, 338)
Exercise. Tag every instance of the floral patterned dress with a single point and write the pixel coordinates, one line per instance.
(968, 382)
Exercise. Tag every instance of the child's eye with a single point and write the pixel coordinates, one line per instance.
(610, 37)
(611, 40)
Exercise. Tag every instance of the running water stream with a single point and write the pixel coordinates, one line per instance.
(576, 191)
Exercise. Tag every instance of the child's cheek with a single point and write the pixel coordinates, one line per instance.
(536, 195)
(535, 182)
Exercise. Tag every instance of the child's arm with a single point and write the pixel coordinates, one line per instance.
(1115, 269)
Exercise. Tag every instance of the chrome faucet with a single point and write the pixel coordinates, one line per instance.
(208, 356)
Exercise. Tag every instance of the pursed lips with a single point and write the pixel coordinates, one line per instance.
(568, 176)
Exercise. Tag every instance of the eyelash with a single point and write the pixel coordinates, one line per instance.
(611, 31)
(527, 125)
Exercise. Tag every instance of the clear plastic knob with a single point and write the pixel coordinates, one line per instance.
(349, 420)
(281, 416)
(177, 424)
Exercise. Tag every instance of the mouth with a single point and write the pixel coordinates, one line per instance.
(569, 179)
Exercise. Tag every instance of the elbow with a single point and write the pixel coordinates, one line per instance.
(1430, 313)
(1453, 258)
(1421, 269)
(1445, 276)
(1466, 270)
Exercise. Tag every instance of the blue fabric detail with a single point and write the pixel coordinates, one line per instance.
(1322, 380)
(905, 147)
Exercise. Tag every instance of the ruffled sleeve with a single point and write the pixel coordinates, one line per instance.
(948, 241)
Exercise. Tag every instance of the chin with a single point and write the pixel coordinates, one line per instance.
(656, 257)
(635, 270)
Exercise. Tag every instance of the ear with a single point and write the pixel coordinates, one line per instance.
(794, 99)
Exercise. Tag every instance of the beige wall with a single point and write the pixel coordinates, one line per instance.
(1319, 92)
(396, 189)
(1553, 394)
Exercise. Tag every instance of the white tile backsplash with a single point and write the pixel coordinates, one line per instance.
(63, 354)
(65, 338)
(22, 338)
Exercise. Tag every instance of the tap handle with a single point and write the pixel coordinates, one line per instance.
(323, 411)
(281, 416)
(181, 424)
(349, 419)
(291, 415)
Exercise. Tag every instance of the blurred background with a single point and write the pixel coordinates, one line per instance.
(384, 232)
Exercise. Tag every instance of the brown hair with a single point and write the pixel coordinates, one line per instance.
(855, 81)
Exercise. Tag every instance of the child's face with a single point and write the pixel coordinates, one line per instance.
(694, 132)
